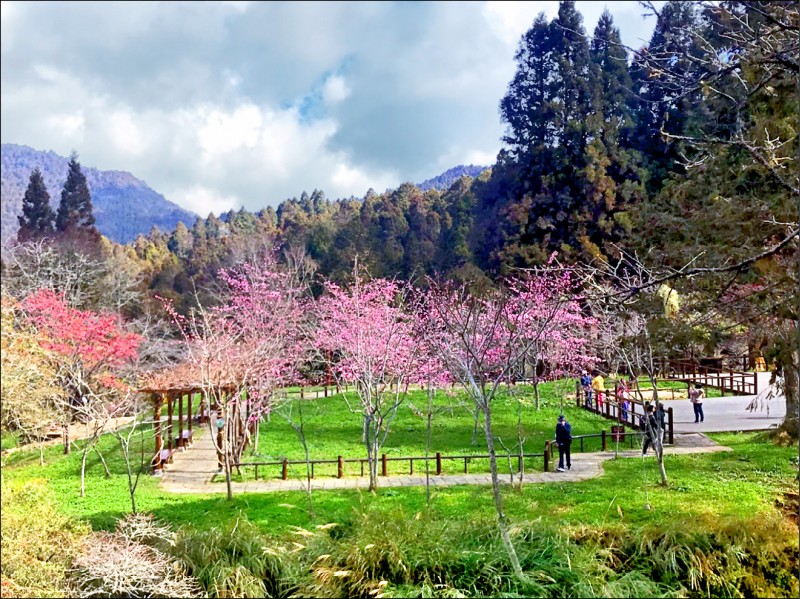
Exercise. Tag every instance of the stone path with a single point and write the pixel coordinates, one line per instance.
(77, 432)
(192, 470)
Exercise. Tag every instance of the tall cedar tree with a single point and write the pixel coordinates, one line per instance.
(568, 178)
(612, 180)
(660, 103)
(37, 215)
(75, 209)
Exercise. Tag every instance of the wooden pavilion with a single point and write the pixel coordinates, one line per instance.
(175, 388)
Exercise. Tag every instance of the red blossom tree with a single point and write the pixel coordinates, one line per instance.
(89, 351)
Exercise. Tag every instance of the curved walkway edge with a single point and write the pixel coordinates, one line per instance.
(193, 470)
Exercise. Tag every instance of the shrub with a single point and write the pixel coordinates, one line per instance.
(38, 543)
(120, 564)
(236, 561)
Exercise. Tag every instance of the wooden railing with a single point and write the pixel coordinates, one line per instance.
(613, 409)
(737, 382)
(437, 458)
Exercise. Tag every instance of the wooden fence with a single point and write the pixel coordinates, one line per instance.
(737, 382)
(437, 458)
(612, 408)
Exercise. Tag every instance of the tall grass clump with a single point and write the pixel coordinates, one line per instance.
(38, 543)
(236, 560)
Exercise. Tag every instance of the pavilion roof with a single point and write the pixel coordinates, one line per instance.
(187, 377)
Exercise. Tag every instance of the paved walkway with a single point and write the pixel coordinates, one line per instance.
(193, 469)
(731, 413)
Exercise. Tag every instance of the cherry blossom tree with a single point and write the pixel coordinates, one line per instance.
(246, 348)
(482, 339)
(367, 328)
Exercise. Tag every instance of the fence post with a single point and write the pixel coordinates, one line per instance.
(603, 438)
(410, 466)
(670, 426)
(438, 463)
(547, 456)
(383, 465)
(608, 407)
(302, 396)
(340, 469)
(256, 471)
(326, 390)
(285, 469)
(577, 394)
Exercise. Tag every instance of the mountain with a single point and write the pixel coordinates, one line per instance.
(124, 206)
(450, 176)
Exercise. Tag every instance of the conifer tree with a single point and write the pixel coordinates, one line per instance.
(37, 215)
(75, 209)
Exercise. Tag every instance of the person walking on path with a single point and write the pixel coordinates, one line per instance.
(696, 396)
(599, 387)
(650, 427)
(563, 440)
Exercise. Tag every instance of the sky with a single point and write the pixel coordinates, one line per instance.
(222, 105)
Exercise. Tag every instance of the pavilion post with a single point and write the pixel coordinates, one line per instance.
(180, 419)
(158, 402)
(190, 412)
(169, 422)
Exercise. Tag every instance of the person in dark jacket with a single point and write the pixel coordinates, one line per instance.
(651, 428)
(661, 418)
(563, 440)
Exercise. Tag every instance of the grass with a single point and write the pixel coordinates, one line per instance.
(8, 440)
(331, 429)
(702, 488)
(708, 494)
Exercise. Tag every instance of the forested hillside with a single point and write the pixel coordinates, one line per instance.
(124, 206)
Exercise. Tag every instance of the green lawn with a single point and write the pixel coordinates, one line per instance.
(331, 429)
(702, 488)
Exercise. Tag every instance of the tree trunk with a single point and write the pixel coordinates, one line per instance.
(83, 469)
(475, 427)
(227, 461)
(791, 383)
(428, 448)
(658, 446)
(536, 391)
(103, 460)
(502, 524)
(372, 463)
(66, 439)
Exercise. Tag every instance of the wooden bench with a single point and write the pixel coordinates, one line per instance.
(185, 440)
(162, 458)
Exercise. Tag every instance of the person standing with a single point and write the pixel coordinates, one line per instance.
(696, 396)
(564, 441)
(599, 387)
(586, 383)
(651, 427)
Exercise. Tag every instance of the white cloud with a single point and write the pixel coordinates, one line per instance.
(67, 126)
(218, 105)
(222, 132)
(125, 133)
(335, 89)
(204, 200)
